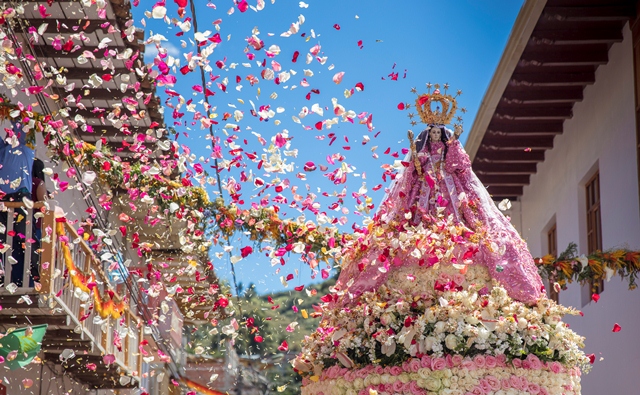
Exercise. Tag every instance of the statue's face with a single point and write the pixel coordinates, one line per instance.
(434, 134)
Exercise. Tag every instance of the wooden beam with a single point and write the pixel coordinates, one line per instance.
(79, 73)
(504, 179)
(577, 36)
(553, 79)
(565, 55)
(594, 13)
(519, 142)
(483, 167)
(25, 320)
(498, 126)
(499, 192)
(515, 111)
(49, 52)
(510, 155)
(96, 93)
(72, 25)
(111, 131)
(543, 95)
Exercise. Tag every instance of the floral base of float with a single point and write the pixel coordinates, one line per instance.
(447, 376)
(449, 333)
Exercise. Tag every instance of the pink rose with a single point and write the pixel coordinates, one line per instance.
(515, 382)
(413, 387)
(387, 369)
(533, 388)
(526, 364)
(397, 386)
(490, 362)
(363, 373)
(480, 361)
(425, 361)
(438, 364)
(505, 384)
(395, 370)
(449, 361)
(543, 391)
(405, 366)
(379, 370)
(305, 381)
(362, 392)
(534, 361)
(444, 278)
(517, 363)
(484, 384)
(502, 360)
(468, 364)
(494, 383)
(478, 391)
(415, 365)
(555, 367)
(458, 279)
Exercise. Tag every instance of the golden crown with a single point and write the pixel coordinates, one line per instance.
(446, 106)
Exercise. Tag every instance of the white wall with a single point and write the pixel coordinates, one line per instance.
(601, 134)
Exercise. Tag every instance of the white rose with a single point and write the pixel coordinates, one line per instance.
(358, 383)
(451, 341)
(440, 326)
(404, 377)
(433, 384)
(384, 379)
(375, 379)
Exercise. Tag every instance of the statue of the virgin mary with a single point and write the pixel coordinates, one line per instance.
(437, 187)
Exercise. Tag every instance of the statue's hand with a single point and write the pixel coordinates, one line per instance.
(457, 131)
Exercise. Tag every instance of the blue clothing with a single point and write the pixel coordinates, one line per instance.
(16, 163)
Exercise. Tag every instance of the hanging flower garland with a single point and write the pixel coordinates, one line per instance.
(264, 224)
(593, 268)
(105, 307)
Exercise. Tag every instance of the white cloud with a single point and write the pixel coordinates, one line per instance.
(150, 51)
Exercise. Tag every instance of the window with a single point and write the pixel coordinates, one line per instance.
(594, 223)
(552, 246)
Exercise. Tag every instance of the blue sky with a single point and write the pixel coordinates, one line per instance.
(455, 42)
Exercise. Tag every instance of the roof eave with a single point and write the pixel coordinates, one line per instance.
(518, 39)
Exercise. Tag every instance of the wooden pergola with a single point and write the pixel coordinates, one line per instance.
(553, 53)
(119, 64)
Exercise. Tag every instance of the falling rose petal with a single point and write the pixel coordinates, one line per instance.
(108, 359)
(309, 166)
(92, 366)
(159, 12)
(337, 78)
(595, 297)
(616, 328)
(360, 86)
(88, 177)
(592, 358)
(401, 106)
(245, 251)
(336, 26)
(243, 5)
(258, 339)
(27, 383)
(284, 346)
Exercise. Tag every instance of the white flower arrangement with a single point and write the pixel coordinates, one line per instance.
(444, 317)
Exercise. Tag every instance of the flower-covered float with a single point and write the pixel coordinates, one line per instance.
(439, 294)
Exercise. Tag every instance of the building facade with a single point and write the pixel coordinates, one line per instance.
(584, 185)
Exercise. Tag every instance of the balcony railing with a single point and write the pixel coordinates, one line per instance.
(71, 274)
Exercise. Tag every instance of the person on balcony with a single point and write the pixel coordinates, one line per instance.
(38, 194)
(16, 160)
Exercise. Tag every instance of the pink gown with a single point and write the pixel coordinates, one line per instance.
(449, 187)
